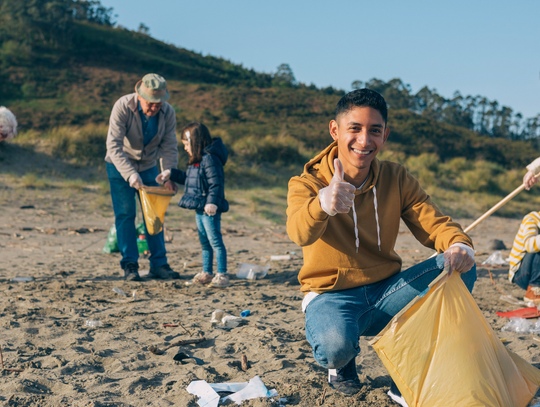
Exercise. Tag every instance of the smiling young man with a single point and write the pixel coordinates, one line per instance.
(345, 210)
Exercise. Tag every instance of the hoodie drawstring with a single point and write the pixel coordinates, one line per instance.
(377, 216)
(357, 241)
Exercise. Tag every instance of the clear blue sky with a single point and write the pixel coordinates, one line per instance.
(490, 48)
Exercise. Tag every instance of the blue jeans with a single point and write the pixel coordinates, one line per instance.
(209, 228)
(124, 206)
(528, 273)
(335, 320)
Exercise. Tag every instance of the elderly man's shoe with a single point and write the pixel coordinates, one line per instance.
(164, 272)
(345, 380)
(131, 272)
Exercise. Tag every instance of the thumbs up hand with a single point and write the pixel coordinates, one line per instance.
(338, 197)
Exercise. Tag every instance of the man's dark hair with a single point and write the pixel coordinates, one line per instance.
(362, 98)
(199, 139)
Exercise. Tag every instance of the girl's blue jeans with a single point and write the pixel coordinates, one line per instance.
(335, 320)
(209, 228)
(125, 209)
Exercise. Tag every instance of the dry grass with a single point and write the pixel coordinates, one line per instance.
(71, 159)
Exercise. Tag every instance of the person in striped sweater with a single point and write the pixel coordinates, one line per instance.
(525, 257)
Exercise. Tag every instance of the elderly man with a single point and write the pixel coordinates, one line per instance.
(8, 124)
(141, 131)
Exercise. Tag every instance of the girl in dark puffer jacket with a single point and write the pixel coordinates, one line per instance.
(204, 192)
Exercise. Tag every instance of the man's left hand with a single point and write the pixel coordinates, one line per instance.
(171, 186)
(458, 259)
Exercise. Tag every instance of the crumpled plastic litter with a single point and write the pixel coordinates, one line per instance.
(495, 259)
(252, 271)
(93, 323)
(129, 298)
(224, 320)
(512, 300)
(522, 326)
(22, 279)
(119, 291)
(208, 397)
(515, 301)
(111, 245)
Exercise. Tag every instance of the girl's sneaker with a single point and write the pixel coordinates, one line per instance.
(202, 278)
(221, 280)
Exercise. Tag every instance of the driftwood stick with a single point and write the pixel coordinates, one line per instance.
(244, 362)
(157, 351)
(321, 400)
(183, 342)
(2, 361)
(184, 328)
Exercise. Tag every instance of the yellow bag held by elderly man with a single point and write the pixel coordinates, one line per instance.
(154, 202)
(441, 351)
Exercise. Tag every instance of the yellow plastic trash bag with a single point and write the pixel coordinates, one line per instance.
(154, 202)
(441, 351)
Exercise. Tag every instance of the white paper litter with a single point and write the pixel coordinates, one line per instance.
(230, 387)
(208, 397)
(220, 317)
(254, 389)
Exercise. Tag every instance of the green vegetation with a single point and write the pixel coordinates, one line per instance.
(64, 64)
(467, 188)
(476, 113)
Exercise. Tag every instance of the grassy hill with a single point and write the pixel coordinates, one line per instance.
(62, 92)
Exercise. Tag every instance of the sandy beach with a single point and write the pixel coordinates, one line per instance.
(57, 240)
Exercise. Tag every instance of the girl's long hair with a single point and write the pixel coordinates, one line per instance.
(199, 139)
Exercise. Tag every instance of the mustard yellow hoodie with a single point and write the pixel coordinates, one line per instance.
(331, 260)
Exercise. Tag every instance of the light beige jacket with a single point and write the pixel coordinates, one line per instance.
(125, 147)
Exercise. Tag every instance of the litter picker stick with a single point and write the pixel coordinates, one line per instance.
(496, 207)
